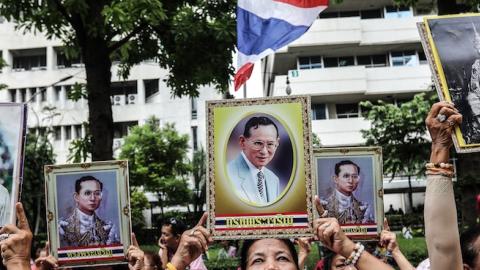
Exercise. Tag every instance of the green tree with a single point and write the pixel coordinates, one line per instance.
(194, 39)
(138, 202)
(401, 132)
(199, 173)
(38, 153)
(158, 162)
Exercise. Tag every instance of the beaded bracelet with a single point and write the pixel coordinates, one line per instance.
(442, 165)
(357, 251)
(447, 172)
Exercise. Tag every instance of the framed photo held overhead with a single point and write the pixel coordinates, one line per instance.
(452, 46)
(13, 119)
(88, 213)
(349, 183)
(259, 171)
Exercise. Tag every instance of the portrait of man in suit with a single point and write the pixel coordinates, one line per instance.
(252, 180)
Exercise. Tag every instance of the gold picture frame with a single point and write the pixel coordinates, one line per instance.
(352, 175)
(95, 194)
(236, 208)
(451, 44)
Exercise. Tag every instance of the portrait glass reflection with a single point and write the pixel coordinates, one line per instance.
(260, 159)
(457, 43)
(88, 209)
(346, 188)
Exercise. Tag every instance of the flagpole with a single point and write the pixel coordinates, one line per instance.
(245, 90)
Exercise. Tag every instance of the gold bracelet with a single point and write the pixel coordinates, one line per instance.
(170, 266)
(442, 165)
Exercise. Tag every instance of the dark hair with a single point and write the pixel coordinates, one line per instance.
(345, 162)
(254, 122)
(79, 181)
(178, 227)
(328, 256)
(467, 241)
(248, 243)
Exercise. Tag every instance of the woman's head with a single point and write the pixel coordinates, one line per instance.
(334, 261)
(265, 253)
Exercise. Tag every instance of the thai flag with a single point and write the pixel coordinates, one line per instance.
(264, 26)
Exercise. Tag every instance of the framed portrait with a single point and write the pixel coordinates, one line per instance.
(12, 146)
(349, 184)
(88, 213)
(259, 171)
(452, 46)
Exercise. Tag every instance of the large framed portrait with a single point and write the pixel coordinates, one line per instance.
(12, 147)
(259, 171)
(452, 46)
(349, 184)
(88, 212)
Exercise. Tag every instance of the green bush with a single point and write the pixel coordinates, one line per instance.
(415, 250)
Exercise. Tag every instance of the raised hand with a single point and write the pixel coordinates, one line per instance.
(15, 249)
(47, 262)
(135, 255)
(193, 244)
(388, 239)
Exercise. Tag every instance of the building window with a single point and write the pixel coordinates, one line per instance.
(194, 138)
(398, 12)
(57, 133)
(57, 92)
(319, 112)
(30, 59)
(151, 87)
(68, 132)
(369, 61)
(309, 62)
(194, 107)
(347, 110)
(12, 94)
(371, 14)
(78, 131)
(339, 61)
(64, 62)
(422, 58)
(405, 58)
(23, 95)
(122, 129)
(43, 94)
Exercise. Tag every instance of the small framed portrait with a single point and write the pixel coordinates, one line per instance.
(12, 147)
(88, 213)
(349, 184)
(452, 46)
(259, 175)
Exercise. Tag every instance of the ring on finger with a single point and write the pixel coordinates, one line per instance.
(451, 123)
(193, 231)
(324, 214)
(441, 117)
(4, 236)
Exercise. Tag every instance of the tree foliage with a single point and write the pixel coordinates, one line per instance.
(158, 161)
(447, 6)
(138, 202)
(194, 39)
(400, 130)
(38, 153)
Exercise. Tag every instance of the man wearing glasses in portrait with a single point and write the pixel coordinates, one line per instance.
(253, 181)
(342, 204)
(83, 227)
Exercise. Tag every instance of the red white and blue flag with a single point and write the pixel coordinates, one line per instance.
(264, 26)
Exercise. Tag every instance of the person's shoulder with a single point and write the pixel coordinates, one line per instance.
(3, 189)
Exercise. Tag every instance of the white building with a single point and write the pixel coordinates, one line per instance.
(38, 73)
(354, 51)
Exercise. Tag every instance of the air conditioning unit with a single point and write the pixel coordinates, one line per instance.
(78, 65)
(118, 100)
(132, 99)
(117, 143)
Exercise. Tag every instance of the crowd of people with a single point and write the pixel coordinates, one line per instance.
(182, 249)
